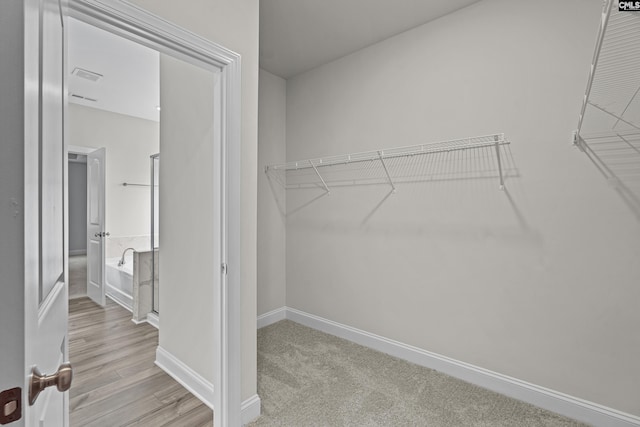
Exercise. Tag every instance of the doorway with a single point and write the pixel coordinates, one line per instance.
(223, 160)
(77, 187)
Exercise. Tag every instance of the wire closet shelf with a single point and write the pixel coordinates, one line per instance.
(608, 130)
(383, 156)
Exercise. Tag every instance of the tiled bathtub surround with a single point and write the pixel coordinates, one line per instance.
(142, 282)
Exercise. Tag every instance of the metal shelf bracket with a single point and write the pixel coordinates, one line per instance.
(384, 165)
(319, 176)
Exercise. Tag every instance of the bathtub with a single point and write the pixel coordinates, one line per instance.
(119, 280)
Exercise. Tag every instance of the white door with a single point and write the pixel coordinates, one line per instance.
(96, 235)
(33, 171)
(46, 289)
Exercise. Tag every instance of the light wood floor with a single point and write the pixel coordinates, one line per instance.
(116, 382)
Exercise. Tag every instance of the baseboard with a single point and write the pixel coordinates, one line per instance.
(154, 320)
(272, 317)
(200, 387)
(124, 300)
(545, 398)
(250, 409)
(77, 252)
(190, 379)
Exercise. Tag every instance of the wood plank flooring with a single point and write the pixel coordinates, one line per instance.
(116, 382)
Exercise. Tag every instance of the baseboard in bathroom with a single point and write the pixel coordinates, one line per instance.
(190, 379)
(119, 297)
(200, 387)
(154, 320)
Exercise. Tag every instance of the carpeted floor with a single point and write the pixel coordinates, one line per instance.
(309, 378)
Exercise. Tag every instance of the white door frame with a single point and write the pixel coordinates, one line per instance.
(138, 25)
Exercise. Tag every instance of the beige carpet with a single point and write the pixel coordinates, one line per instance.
(308, 378)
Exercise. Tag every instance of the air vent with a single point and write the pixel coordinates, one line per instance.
(86, 74)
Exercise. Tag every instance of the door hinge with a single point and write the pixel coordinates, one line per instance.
(224, 268)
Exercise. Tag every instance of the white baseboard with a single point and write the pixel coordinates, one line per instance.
(272, 317)
(250, 409)
(200, 387)
(77, 252)
(545, 398)
(124, 300)
(190, 379)
(154, 320)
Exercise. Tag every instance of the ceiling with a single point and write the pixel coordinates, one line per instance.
(130, 73)
(298, 35)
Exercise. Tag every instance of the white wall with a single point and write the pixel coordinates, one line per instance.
(77, 207)
(187, 209)
(539, 282)
(129, 142)
(271, 195)
(234, 25)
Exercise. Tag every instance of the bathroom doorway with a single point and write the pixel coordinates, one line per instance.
(77, 225)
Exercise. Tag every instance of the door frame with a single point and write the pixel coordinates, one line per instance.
(136, 24)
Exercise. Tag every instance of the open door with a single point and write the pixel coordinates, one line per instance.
(33, 296)
(95, 225)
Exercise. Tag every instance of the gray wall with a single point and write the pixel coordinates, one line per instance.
(271, 195)
(77, 207)
(187, 209)
(234, 25)
(539, 282)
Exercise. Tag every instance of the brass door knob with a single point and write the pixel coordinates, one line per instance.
(38, 381)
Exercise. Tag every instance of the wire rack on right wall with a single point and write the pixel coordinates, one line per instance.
(608, 129)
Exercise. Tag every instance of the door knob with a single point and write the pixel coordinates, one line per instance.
(38, 381)
(103, 234)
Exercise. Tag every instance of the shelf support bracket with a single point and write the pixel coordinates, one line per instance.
(319, 176)
(497, 145)
(384, 165)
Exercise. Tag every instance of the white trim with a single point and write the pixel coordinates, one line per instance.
(272, 317)
(119, 297)
(200, 387)
(77, 252)
(187, 377)
(250, 409)
(77, 149)
(134, 23)
(150, 319)
(153, 319)
(542, 397)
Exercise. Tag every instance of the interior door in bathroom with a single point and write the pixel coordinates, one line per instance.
(96, 234)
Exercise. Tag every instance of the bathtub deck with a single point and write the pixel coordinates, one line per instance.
(116, 382)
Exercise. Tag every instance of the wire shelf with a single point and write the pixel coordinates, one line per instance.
(608, 129)
(388, 166)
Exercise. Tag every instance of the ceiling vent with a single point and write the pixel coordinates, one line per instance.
(86, 74)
